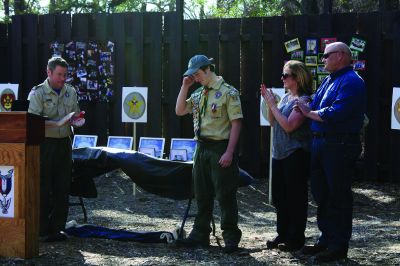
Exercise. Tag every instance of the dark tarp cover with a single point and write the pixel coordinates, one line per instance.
(165, 178)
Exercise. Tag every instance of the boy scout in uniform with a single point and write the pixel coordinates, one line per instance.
(217, 115)
(55, 100)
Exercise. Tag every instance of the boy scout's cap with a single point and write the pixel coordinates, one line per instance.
(196, 62)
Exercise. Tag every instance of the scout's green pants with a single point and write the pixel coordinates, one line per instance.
(55, 180)
(211, 180)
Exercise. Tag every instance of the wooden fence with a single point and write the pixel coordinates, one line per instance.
(150, 51)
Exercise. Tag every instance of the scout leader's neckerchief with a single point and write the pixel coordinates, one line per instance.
(203, 106)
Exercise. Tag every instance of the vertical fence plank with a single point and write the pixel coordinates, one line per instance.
(229, 60)
(29, 54)
(152, 71)
(118, 37)
(209, 39)
(5, 72)
(16, 49)
(251, 73)
(47, 33)
(369, 25)
(172, 69)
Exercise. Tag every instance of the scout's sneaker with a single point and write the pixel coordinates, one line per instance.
(229, 249)
(313, 250)
(273, 244)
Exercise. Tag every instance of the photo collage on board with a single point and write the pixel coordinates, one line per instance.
(91, 68)
(311, 53)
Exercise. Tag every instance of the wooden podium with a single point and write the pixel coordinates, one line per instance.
(20, 136)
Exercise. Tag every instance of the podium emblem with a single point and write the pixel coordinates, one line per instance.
(5, 189)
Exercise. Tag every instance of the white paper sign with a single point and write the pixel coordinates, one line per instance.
(279, 93)
(134, 104)
(7, 191)
(396, 108)
(8, 94)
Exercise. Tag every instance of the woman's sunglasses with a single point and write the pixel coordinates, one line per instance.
(286, 75)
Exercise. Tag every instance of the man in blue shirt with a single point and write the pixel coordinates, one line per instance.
(337, 115)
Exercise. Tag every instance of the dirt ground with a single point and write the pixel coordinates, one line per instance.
(375, 241)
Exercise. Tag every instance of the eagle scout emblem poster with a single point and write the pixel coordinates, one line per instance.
(6, 191)
(396, 108)
(8, 94)
(134, 104)
(279, 93)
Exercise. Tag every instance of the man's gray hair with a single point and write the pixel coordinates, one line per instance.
(56, 61)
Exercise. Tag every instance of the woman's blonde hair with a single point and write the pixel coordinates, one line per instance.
(302, 75)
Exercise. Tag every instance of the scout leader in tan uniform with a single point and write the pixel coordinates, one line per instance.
(217, 116)
(56, 101)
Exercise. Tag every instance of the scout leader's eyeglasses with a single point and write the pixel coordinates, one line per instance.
(325, 56)
(286, 75)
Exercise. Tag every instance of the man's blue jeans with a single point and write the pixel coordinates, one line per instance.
(333, 159)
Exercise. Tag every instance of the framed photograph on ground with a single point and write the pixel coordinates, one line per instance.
(311, 47)
(325, 42)
(178, 155)
(186, 144)
(148, 151)
(311, 60)
(118, 142)
(84, 141)
(357, 44)
(292, 45)
(156, 143)
(297, 55)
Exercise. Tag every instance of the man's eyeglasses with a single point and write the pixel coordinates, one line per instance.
(286, 75)
(325, 56)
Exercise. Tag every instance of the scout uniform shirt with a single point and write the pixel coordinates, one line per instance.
(44, 101)
(223, 106)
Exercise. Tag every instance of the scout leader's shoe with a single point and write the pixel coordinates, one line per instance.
(192, 243)
(290, 246)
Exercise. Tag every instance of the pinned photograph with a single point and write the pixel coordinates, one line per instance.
(357, 44)
(92, 84)
(321, 78)
(321, 70)
(154, 143)
(84, 141)
(320, 57)
(396, 108)
(119, 142)
(184, 144)
(105, 56)
(297, 55)
(359, 65)
(292, 45)
(178, 155)
(354, 55)
(311, 47)
(311, 60)
(313, 71)
(325, 42)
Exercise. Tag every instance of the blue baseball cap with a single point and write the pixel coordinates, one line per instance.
(196, 62)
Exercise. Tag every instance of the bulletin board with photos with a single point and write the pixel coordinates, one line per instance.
(91, 68)
(312, 50)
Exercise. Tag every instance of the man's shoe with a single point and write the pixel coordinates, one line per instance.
(192, 243)
(58, 237)
(289, 246)
(272, 244)
(313, 250)
(230, 249)
(330, 255)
